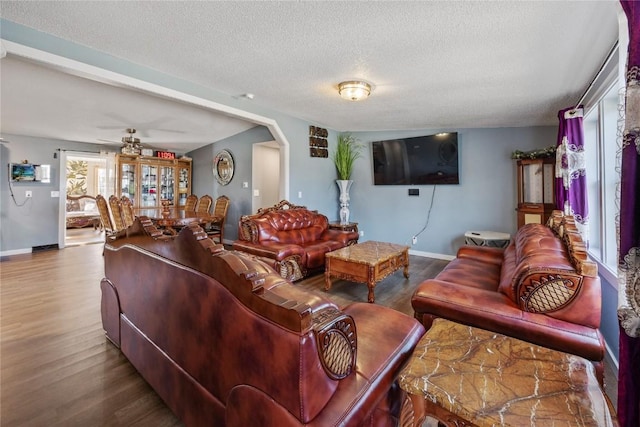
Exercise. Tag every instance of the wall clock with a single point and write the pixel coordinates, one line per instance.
(223, 167)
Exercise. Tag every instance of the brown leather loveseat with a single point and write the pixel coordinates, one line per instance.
(542, 289)
(226, 341)
(292, 239)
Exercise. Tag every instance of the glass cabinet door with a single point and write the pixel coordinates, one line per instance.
(167, 184)
(183, 186)
(149, 185)
(128, 180)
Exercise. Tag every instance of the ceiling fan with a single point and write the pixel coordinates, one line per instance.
(130, 144)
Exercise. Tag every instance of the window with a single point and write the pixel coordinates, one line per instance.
(601, 146)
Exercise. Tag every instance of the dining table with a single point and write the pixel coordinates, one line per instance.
(173, 218)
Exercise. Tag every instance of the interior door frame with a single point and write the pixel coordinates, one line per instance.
(62, 190)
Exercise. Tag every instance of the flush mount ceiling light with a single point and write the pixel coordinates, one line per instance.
(354, 90)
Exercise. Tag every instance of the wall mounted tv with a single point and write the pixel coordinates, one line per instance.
(25, 172)
(421, 160)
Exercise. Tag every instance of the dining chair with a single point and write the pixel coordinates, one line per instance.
(192, 201)
(215, 229)
(116, 212)
(105, 216)
(204, 204)
(128, 216)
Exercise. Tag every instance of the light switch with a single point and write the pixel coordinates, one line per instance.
(256, 193)
(245, 185)
(299, 194)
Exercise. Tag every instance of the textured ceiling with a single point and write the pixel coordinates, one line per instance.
(432, 64)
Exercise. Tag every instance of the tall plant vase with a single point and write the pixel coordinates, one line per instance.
(344, 185)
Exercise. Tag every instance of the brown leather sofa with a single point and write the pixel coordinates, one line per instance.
(226, 341)
(542, 289)
(292, 239)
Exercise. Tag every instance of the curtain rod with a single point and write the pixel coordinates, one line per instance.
(80, 151)
(602, 67)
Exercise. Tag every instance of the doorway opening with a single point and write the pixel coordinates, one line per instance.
(82, 178)
(265, 181)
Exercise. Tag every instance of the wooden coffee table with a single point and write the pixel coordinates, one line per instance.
(368, 262)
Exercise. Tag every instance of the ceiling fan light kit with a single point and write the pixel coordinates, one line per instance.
(131, 144)
(354, 90)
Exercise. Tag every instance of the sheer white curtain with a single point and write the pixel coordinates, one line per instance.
(110, 172)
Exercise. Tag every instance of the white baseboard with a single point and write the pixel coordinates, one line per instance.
(610, 359)
(431, 255)
(16, 252)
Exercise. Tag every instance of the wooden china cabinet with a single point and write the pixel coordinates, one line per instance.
(536, 190)
(148, 180)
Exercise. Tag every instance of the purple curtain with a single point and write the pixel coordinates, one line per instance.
(629, 233)
(571, 185)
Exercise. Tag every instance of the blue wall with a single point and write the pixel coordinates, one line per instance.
(25, 223)
(609, 319)
(240, 146)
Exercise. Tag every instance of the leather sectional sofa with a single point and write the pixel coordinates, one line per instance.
(542, 289)
(224, 340)
(292, 239)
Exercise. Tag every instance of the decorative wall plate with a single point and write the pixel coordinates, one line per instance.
(223, 167)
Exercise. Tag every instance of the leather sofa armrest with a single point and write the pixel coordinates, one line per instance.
(346, 238)
(337, 342)
(286, 258)
(482, 253)
(272, 250)
(544, 290)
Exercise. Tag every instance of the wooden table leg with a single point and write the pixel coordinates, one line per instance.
(406, 264)
(370, 296)
(327, 280)
(416, 408)
(412, 413)
(371, 284)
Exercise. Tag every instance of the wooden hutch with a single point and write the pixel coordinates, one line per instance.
(536, 190)
(148, 180)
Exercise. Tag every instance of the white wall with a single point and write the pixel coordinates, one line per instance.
(266, 173)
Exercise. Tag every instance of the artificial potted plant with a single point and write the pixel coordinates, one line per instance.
(346, 153)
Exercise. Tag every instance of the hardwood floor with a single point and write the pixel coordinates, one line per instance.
(57, 368)
(83, 236)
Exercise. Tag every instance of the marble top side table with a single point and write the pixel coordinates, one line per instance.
(464, 376)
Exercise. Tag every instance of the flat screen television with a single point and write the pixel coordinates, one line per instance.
(420, 160)
(23, 172)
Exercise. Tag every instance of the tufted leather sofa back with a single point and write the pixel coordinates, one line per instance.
(297, 226)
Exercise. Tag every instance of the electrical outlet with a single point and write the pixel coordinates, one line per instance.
(28, 193)
(414, 240)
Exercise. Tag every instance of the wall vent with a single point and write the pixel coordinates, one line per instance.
(44, 248)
